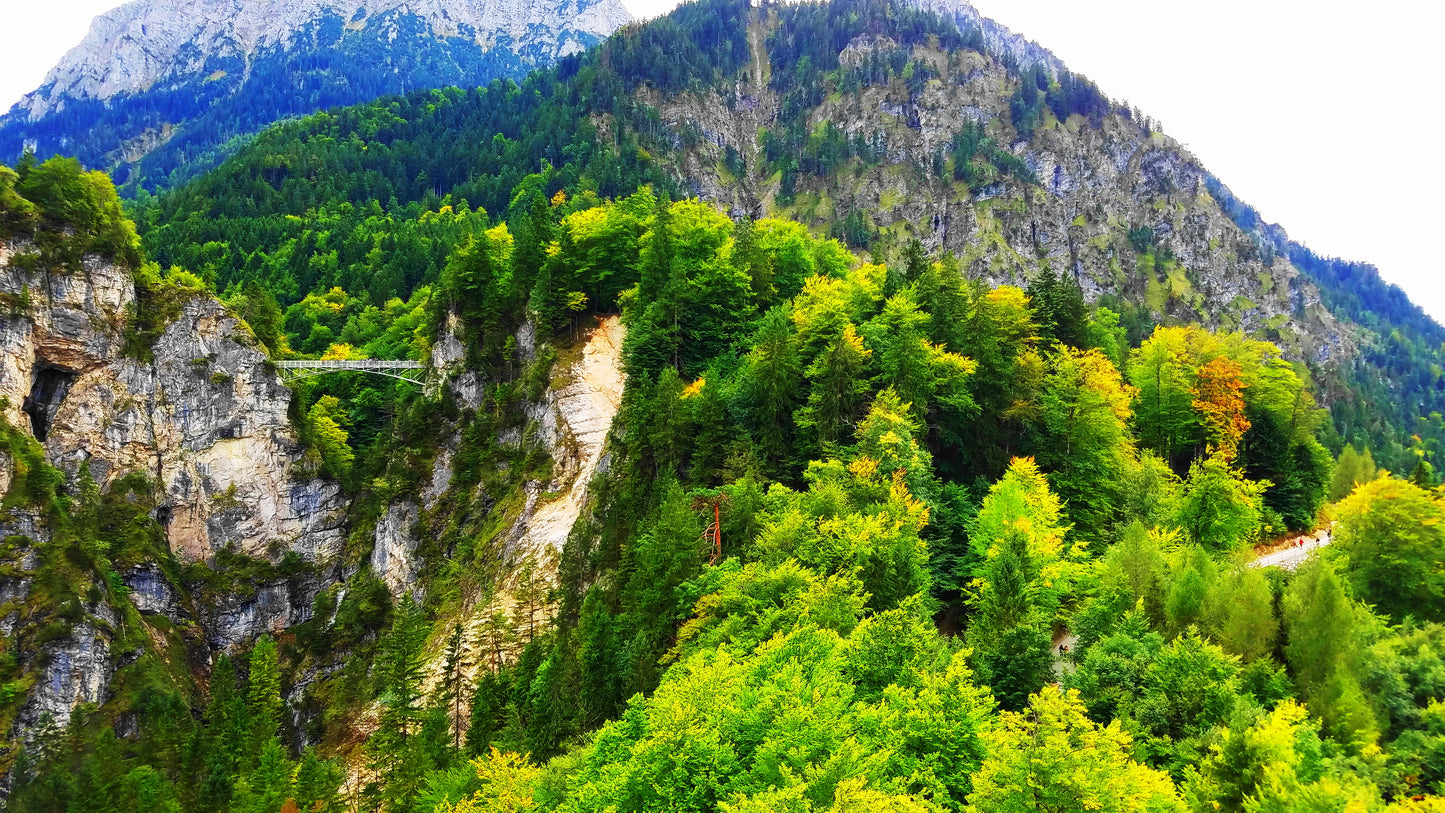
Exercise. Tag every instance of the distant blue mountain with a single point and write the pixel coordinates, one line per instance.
(162, 90)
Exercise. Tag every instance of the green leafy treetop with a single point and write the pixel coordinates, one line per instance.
(1052, 757)
(68, 212)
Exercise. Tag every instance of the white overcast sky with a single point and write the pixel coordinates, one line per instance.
(1325, 116)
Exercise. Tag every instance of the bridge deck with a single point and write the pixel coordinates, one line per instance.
(404, 370)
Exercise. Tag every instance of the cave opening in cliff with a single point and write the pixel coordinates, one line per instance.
(47, 392)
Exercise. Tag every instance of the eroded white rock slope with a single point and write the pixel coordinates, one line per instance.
(577, 420)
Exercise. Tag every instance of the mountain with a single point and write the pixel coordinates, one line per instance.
(878, 133)
(160, 86)
(809, 388)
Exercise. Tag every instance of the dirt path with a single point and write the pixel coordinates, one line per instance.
(1063, 644)
(1291, 557)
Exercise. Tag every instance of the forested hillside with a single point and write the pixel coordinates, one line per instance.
(162, 90)
(1037, 170)
(893, 514)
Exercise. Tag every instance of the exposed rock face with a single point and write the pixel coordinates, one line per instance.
(391, 557)
(237, 620)
(206, 420)
(150, 591)
(1094, 182)
(573, 423)
(998, 39)
(132, 48)
(76, 669)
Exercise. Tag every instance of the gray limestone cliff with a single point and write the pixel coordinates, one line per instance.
(1093, 182)
(206, 418)
(201, 423)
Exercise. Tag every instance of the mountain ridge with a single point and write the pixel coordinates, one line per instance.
(910, 337)
(123, 52)
(161, 86)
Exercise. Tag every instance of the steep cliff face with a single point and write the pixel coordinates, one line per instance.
(1093, 183)
(569, 422)
(206, 418)
(195, 437)
(182, 78)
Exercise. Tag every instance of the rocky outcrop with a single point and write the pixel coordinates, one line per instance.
(150, 591)
(206, 420)
(1093, 182)
(573, 423)
(201, 418)
(73, 670)
(391, 555)
(237, 619)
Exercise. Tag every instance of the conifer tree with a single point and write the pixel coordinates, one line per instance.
(395, 749)
(269, 785)
(529, 598)
(535, 231)
(1013, 648)
(489, 711)
(224, 740)
(838, 386)
(901, 352)
(449, 689)
(749, 259)
(316, 783)
(656, 258)
(602, 674)
(402, 662)
(772, 380)
(263, 699)
(145, 788)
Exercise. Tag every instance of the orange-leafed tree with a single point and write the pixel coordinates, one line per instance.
(1219, 400)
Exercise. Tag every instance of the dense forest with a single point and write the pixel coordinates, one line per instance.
(872, 534)
(334, 199)
(1396, 388)
(177, 130)
(921, 483)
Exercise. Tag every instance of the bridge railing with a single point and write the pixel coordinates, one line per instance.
(292, 370)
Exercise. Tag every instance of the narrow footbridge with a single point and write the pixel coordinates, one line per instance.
(404, 370)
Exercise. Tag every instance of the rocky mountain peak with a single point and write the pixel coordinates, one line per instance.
(132, 48)
(998, 39)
